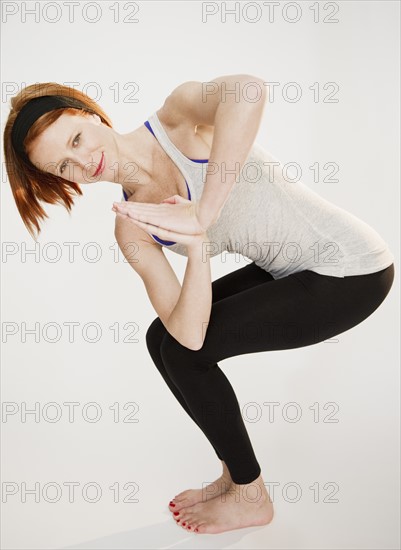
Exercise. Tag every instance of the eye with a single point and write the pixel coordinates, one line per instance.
(61, 167)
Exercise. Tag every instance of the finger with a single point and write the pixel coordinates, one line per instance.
(135, 210)
(159, 219)
(122, 216)
(179, 199)
(132, 204)
(131, 213)
(145, 206)
(176, 199)
(162, 215)
(170, 200)
(164, 234)
(119, 204)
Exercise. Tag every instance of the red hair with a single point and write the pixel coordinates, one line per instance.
(29, 184)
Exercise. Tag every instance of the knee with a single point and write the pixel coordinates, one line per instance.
(179, 360)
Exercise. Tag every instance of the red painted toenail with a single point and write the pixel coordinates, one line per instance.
(196, 529)
(176, 513)
(189, 527)
(172, 504)
(183, 522)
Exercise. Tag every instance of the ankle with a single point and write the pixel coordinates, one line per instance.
(226, 472)
(254, 491)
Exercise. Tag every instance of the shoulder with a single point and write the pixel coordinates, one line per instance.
(174, 110)
(187, 106)
(195, 102)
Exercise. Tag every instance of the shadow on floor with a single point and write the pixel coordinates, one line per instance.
(163, 535)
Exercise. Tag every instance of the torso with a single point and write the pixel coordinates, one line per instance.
(167, 179)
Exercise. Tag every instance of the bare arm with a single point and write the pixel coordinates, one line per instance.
(191, 315)
(234, 105)
(184, 311)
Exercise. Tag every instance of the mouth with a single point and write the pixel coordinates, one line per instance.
(99, 169)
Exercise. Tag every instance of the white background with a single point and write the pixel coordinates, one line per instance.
(165, 452)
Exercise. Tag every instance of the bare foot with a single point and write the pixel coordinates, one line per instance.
(192, 496)
(246, 505)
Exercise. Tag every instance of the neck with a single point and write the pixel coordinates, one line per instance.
(136, 159)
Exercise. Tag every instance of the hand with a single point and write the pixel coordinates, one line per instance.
(175, 214)
(163, 223)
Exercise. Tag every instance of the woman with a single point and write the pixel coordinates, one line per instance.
(196, 182)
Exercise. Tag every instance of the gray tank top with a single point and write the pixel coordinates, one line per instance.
(284, 227)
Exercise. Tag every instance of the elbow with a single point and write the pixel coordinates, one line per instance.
(189, 339)
(196, 347)
(251, 78)
(192, 345)
(262, 93)
(257, 80)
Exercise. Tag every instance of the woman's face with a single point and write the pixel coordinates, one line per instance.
(72, 148)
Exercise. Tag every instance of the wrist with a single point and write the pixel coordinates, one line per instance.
(197, 243)
(205, 220)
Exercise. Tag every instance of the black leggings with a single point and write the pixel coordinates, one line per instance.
(252, 312)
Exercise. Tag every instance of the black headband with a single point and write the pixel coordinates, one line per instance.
(33, 110)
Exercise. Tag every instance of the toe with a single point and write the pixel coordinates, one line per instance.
(181, 496)
(178, 504)
(180, 515)
(175, 507)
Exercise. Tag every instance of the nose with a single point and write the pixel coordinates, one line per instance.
(86, 166)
